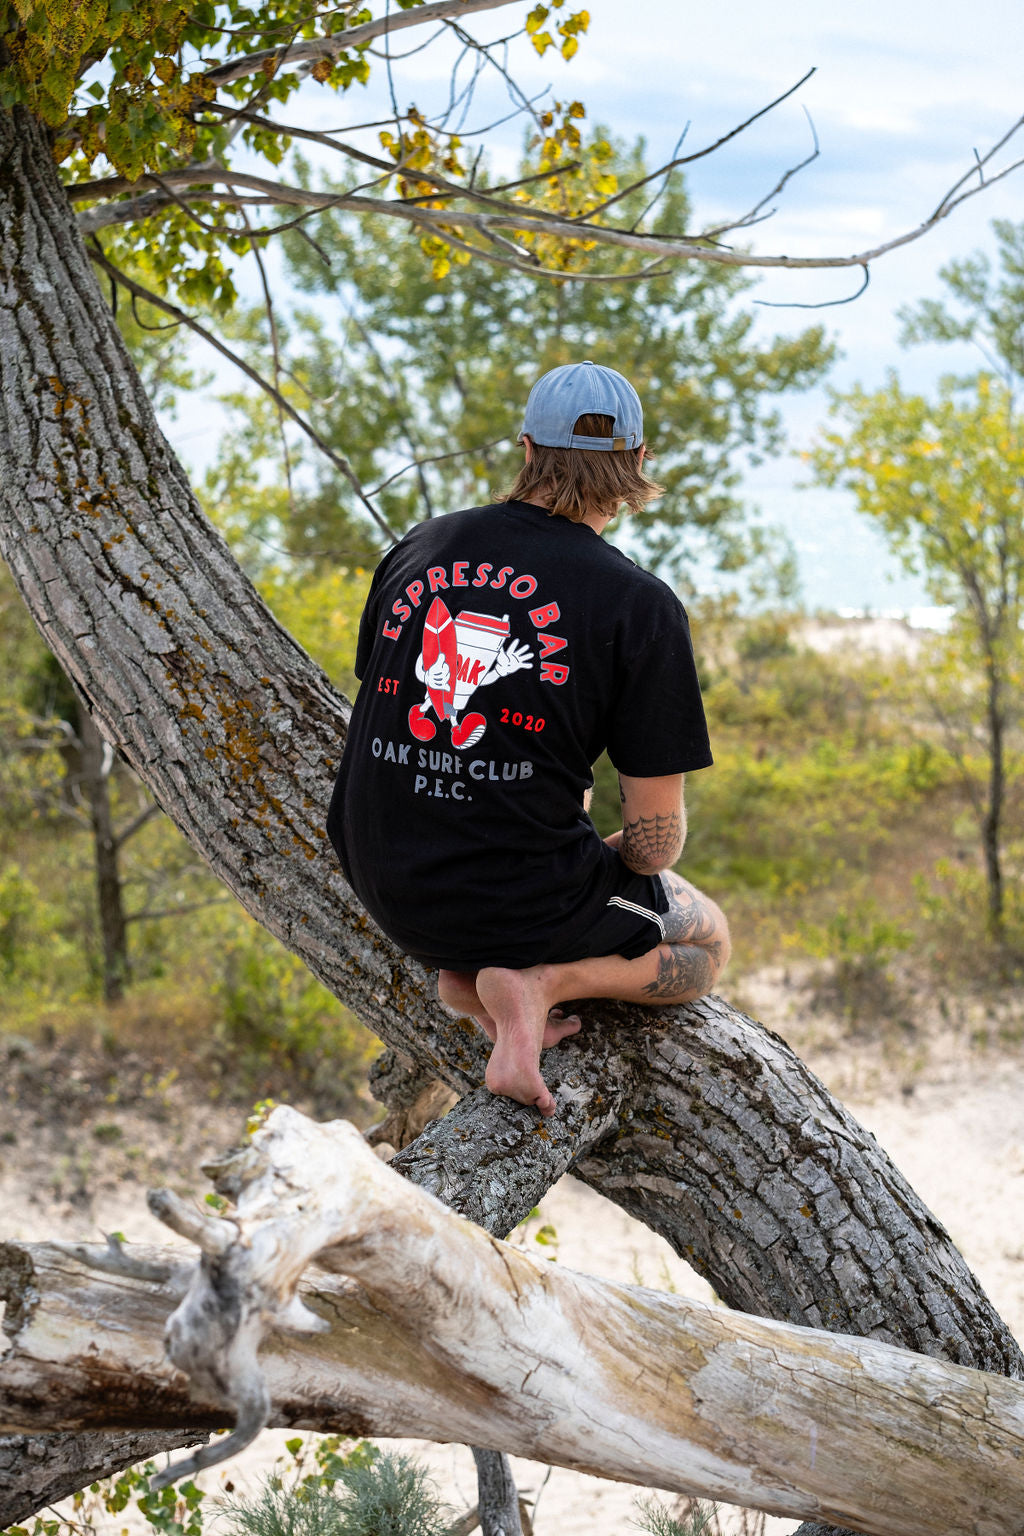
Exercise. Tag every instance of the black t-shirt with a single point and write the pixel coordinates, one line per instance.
(501, 650)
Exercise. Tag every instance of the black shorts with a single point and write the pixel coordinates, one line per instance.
(630, 924)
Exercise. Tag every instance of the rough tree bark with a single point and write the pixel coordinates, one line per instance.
(437, 1330)
(37, 1470)
(696, 1120)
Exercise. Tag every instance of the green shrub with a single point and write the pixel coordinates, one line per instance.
(699, 1519)
(274, 1012)
(389, 1496)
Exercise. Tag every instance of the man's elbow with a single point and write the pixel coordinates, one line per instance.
(652, 859)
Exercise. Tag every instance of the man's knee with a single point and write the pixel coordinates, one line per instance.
(720, 946)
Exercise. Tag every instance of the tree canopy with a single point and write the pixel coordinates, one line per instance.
(943, 479)
(173, 107)
(421, 380)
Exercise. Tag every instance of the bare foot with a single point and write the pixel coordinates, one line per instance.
(519, 1003)
(457, 991)
(559, 1025)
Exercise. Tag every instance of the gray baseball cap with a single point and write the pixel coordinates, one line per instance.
(580, 389)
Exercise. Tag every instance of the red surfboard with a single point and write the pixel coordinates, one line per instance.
(439, 640)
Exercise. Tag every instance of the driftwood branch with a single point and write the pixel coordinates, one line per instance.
(424, 1325)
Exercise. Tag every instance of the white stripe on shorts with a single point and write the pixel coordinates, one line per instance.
(632, 906)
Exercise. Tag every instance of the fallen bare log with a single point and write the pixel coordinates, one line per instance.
(427, 1326)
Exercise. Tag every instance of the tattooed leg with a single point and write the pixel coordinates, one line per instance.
(693, 957)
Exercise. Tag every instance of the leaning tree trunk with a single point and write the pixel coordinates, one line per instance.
(696, 1120)
(438, 1331)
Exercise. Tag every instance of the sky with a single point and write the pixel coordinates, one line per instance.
(903, 94)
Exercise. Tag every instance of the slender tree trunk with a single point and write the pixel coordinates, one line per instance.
(95, 775)
(991, 827)
(499, 1500)
(696, 1120)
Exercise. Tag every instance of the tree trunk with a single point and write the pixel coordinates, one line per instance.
(427, 1326)
(499, 1500)
(37, 1470)
(95, 778)
(696, 1120)
(991, 826)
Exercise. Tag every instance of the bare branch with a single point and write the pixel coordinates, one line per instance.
(537, 269)
(437, 458)
(310, 49)
(515, 91)
(822, 303)
(149, 916)
(114, 1259)
(268, 305)
(137, 823)
(980, 161)
(97, 255)
(700, 154)
(754, 216)
(210, 172)
(520, 218)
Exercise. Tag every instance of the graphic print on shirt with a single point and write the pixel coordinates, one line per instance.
(458, 656)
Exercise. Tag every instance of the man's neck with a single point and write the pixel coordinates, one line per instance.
(597, 520)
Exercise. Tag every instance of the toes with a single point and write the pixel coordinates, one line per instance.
(560, 1029)
(523, 1087)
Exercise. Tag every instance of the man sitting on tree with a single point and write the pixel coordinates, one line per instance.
(460, 819)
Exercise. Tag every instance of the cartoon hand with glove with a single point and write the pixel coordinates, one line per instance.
(512, 658)
(437, 676)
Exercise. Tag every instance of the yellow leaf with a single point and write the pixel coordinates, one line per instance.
(569, 47)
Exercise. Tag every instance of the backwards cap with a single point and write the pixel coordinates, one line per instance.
(580, 389)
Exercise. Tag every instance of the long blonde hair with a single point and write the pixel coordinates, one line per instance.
(574, 481)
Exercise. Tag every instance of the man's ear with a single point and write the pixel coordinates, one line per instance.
(528, 449)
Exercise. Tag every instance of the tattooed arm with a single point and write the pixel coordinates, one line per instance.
(653, 823)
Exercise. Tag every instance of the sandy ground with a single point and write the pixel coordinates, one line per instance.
(950, 1115)
(885, 636)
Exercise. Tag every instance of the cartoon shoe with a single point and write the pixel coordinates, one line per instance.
(422, 728)
(467, 732)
